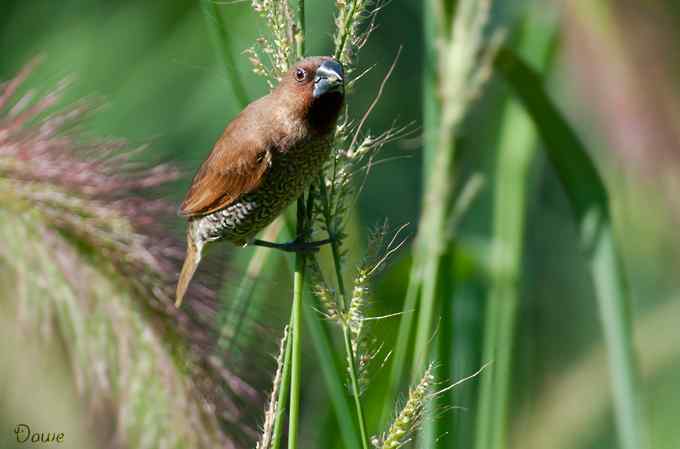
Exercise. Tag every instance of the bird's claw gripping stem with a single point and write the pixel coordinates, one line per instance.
(295, 246)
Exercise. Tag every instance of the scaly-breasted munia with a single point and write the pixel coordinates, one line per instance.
(264, 160)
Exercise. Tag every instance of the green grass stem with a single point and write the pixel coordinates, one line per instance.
(330, 369)
(354, 382)
(221, 40)
(454, 74)
(296, 352)
(516, 153)
(431, 113)
(333, 378)
(403, 343)
(300, 37)
(345, 31)
(246, 307)
(298, 285)
(349, 352)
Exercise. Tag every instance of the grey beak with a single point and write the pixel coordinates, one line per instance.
(329, 78)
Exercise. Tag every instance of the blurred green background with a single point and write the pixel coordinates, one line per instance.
(615, 74)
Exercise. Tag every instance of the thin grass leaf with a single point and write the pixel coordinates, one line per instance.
(241, 311)
(589, 199)
(461, 66)
(587, 382)
(303, 224)
(221, 41)
(515, 155)
(332, 372)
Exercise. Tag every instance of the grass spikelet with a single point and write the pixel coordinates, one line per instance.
(346, 172)
(465, 62)
(354, 154)
(410, 416)
(366, 349)
(327, 297)
(273, 408)
(350, 35)
(359, 300)
(272, 55)
(357, 305)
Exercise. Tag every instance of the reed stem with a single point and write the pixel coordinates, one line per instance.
(589, 199)
(515, 155)
(298, 284)
(300, 36)
(296, 353)
(220, 38)
(346, 30)
(356, 392)
(351, 357)
(333, 377)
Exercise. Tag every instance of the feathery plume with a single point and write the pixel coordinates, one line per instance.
(273, 408)
(272, 55)
(93, 265)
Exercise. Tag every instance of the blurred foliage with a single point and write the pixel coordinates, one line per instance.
(615, 76)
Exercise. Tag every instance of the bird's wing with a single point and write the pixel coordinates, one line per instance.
(236, 166)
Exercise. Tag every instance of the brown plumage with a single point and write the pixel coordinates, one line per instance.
(263, 161)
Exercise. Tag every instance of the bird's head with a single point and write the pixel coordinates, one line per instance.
(319, 76)
(316, 86)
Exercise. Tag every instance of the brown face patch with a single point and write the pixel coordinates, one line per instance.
(308, 66)
(300, 77)
(297, 87)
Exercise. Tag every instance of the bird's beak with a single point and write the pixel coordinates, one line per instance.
(328, 78)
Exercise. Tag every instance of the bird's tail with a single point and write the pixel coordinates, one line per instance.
(191, 262)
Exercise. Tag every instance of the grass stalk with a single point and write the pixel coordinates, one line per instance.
(455, 73)
(345, 31)
(349, 352)
(330, 370)
(300, 36)
(296, 351)
(589, 200)
(441, 430)
(233, 319)
(356, 393)
(516, 152)
(403, 343)
(220, 38)
(332, 374)
(298, 283)
(431, 113)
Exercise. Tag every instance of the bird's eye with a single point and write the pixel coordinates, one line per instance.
(300, 74)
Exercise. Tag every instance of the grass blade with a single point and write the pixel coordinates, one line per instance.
(220, 38)
(298, 285)
(332, 374)
(459, 69)
(296, 352)
(589, 200)
(516, 153)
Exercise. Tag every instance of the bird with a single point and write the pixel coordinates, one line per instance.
(264, 160)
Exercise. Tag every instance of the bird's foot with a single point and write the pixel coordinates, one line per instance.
(295, 246)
